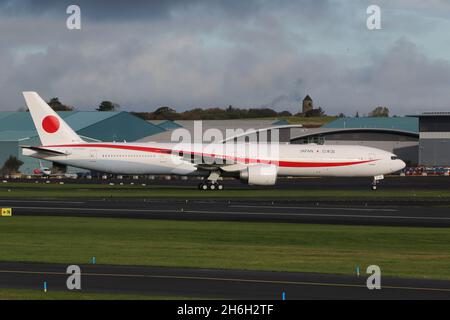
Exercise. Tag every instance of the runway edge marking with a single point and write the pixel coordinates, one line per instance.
(230, 280)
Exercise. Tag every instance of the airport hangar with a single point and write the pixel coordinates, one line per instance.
(434, 139)
(419, 139)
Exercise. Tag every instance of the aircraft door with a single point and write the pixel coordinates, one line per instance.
(372, 156)
(92, 155)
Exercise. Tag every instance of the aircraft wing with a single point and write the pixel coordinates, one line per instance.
(212, 162)
(223, 167)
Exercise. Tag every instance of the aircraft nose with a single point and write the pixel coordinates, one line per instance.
(398, 165)
(401, 164)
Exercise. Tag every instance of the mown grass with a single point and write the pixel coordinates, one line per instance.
(23, 294)
(399, 251)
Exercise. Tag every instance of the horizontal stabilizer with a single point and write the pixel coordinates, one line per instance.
(44, 150)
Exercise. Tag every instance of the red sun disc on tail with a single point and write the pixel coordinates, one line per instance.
(50, 124)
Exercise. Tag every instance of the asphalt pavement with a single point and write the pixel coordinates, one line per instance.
(219, 284)
(291, 211)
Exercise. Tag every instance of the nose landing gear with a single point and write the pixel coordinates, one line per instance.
(376, 180)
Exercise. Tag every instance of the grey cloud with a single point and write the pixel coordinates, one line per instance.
(206, 56)
(409, 80)
(403, 78)
(122, 10)
(99, 9)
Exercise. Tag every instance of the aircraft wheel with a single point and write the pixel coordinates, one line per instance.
(374, 187)
(220, 187)
(212, 186)
(204, 186)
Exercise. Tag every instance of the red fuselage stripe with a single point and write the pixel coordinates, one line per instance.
(237, 159)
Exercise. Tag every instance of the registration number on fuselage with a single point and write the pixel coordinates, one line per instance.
(317, 150)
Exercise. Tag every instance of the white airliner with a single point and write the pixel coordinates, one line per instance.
(42, 171)
(46, 172)
(60, 144)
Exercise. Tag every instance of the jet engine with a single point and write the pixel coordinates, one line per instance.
(259, 174)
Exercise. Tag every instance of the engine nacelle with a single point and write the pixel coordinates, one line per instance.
(260, 174)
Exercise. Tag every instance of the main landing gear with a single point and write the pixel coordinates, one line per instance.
(376, 180)
(211, 183)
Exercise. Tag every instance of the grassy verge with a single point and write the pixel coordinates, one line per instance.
(29, 190)
(404, 252)
(21, 294)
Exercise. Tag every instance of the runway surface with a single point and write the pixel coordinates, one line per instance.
(221, 284)
(300, 183)
(292, 211)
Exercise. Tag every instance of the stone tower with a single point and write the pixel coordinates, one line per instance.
(307, 104)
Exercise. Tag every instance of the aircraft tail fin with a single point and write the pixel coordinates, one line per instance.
(52, 129)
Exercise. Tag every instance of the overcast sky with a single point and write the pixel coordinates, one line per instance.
(247, 53)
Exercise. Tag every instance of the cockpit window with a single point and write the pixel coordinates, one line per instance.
(394, 158)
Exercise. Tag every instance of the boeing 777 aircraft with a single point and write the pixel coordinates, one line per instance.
(255, 164)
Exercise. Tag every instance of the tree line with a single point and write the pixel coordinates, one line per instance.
(229, 113)
(167, 113)
(57, 105)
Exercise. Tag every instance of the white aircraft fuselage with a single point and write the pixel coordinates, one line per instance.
(169, 158)
(253, 163)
